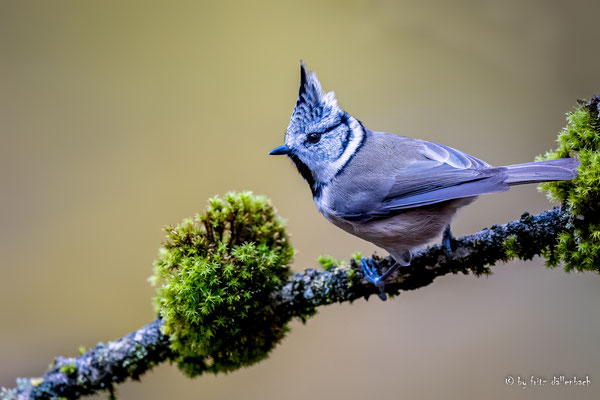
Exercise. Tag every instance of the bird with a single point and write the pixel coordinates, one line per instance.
(396, 192)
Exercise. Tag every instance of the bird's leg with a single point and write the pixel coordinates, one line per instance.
(372, 275)
(448, 240)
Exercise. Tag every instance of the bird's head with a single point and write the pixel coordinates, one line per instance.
(321, 137)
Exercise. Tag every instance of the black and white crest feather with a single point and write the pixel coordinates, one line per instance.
(321, 137)
(313, 104)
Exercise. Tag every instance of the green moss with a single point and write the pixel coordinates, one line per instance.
(578, 248)
(68, 369)
(328, 262)
(511, 247)
(342, 267)
(216, 274)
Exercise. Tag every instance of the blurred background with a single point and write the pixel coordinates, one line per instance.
(117, 118)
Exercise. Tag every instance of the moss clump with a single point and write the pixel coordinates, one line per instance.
(328, 262)
(68, 369)
(579, 246)
(217, 272)
(511, 247)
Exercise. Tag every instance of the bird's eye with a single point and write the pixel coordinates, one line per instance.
(314, 137)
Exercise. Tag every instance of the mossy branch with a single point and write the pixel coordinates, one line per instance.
(226, 294)
(108, 364)
(473, 254)
(98, 369)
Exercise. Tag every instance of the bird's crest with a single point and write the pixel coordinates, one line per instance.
(313, 103)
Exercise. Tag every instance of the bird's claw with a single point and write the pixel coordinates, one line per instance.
(370, 272)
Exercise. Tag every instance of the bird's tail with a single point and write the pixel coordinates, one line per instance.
(561, 169)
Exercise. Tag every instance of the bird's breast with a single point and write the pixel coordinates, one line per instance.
(326, 207)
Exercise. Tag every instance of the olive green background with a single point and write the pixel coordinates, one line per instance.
(119, 117)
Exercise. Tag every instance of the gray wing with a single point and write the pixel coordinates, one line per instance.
(439, 173)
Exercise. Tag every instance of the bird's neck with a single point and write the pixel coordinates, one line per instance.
(307, 174)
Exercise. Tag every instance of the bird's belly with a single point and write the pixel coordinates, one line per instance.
(408, 229)
(411, 228)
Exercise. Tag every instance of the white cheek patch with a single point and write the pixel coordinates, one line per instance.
(356, 138)
(325, 171)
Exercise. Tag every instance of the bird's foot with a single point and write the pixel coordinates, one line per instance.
(448, 241)
(372, 275)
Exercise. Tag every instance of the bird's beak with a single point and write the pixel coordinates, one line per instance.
(283, 149)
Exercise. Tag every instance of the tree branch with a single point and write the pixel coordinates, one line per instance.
(471, 254)
(99, 368)
(107, 364)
